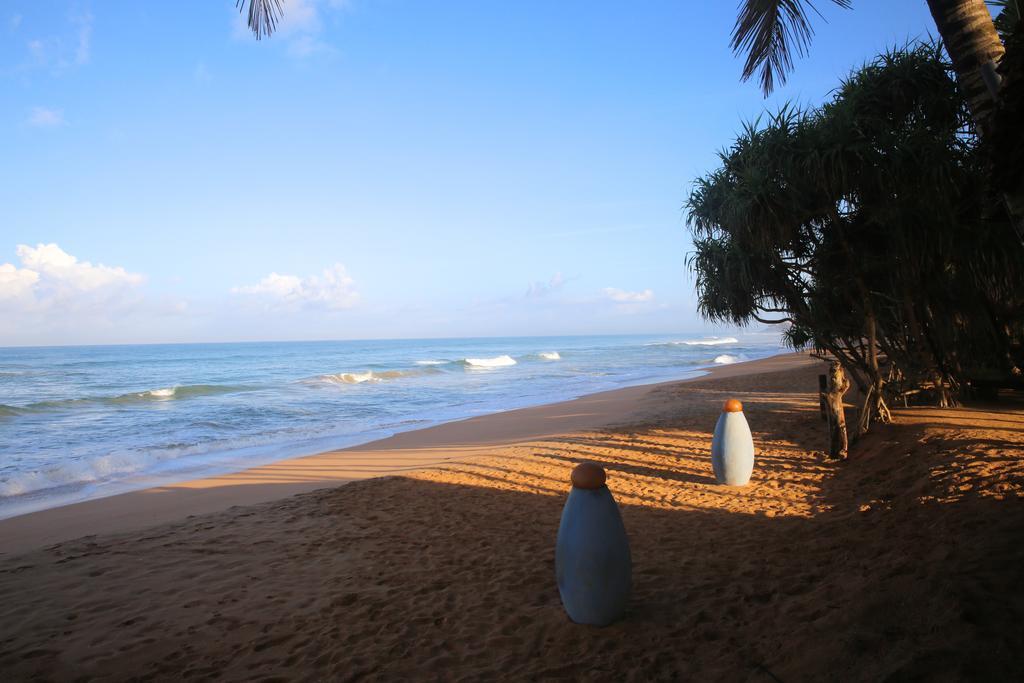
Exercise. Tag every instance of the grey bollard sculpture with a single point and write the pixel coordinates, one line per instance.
(732, 447)
(592, 561)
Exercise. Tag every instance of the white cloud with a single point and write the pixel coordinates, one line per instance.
(45, 118)
(299, 17)
(621, 296)
(58, 265)
(307, 45)
(83, 23)
(334, 289)
(67, 48)
(50, 277)
(37, 49)
(539, 289)
(16, 283)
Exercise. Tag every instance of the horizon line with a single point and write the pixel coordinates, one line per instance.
(355, 339)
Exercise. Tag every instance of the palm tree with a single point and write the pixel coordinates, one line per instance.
(973, 45)
(263, 15)
(768, 31)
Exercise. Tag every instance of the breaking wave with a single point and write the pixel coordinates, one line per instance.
(73, 473)
(728, 359)
(9, 411)
(112, 466)
(496, 362)
(135, 397)
(711, 341)
(370, 376)
(549, 355)
(349, 378)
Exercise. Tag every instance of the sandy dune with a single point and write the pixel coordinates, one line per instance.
(905, 563)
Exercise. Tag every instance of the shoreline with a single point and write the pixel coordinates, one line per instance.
(402, 452)
(901, 563)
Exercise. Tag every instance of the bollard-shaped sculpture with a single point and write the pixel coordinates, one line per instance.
(732, 447)
(592, 562)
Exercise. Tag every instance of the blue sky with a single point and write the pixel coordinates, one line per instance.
(378, 168)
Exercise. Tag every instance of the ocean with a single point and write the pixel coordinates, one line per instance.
(90, 421)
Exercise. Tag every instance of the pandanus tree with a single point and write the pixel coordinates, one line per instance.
(768, 32)
(858, 224)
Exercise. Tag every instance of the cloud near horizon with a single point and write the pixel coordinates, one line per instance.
(49, 277)
(621, 296)
(539, 289)
(334, 290)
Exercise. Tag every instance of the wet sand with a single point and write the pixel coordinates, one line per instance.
(904, 563)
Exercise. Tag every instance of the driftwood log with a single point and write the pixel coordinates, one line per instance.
(836, 387)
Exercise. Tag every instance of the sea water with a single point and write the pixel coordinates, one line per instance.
(89, 421)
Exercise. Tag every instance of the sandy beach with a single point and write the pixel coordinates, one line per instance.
(435, 560)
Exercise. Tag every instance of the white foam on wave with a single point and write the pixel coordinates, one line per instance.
(160, 393)
(496, 362)
(74, 473)
(371, 376)
(728, 359)
(109, 468)
(349, 377)
(550, 355)
(431, 362)
(710, 341)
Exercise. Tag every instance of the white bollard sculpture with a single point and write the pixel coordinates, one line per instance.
(593, 567)
(732, 447)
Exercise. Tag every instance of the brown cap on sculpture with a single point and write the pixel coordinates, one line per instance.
(588, 475)
(732, 406)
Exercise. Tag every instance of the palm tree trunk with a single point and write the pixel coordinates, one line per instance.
(973, 45)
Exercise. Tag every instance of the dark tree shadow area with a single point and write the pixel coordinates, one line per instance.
(431, 583)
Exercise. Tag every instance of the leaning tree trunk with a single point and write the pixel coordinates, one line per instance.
(1006, 140)
(875, 408)
(973, 44)
(835, 388)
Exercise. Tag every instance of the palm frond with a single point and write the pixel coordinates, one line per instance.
(263, 15)
(1008, 16)
(768, 32)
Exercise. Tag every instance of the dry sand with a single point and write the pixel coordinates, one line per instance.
(905, 563)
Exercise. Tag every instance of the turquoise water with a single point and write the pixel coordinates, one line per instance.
(84, 422)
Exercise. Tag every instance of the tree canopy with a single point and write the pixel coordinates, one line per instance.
(861, 224)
